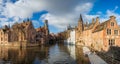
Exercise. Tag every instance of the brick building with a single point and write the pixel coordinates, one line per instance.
(23, 34)
(99, 36)
(20, 34)
(42, 33)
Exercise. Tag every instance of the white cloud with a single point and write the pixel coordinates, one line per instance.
(104, 17)
(58, 21)
(84, 8)
(89, 18)
(1, 1)
(61, 12)
(99, 12)
(35, 23)
(61, 21)
(116, 7)
(110, 13)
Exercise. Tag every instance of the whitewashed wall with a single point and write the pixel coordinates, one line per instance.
(71, 39)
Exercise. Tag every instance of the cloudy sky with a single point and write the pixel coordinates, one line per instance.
(59, 13)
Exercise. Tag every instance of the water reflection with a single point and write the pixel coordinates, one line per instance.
(23, 56)
(80, 58)
(54, 54)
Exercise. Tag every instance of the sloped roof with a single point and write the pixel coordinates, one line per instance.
(22, 25)
(101, 26)
(41, 29)
(89, 26)
(5, 30)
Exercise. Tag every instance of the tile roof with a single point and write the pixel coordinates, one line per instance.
(101, 26)
(89, 26)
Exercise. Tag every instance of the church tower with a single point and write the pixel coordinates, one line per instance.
(79, 32)
(80, 24)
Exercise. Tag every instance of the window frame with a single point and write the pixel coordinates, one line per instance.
(111, 42)
(108, 31)
(115, 32)
(112, 23)
(1, 38)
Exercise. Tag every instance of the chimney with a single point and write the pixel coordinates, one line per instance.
(93, 20)
(97, 19)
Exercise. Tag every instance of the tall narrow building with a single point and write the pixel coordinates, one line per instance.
(80, 24)
(46, 31)
(46, 27)
(79, 30)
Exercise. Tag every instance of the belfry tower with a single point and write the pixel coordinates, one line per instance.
(46, 27)
(46, 31)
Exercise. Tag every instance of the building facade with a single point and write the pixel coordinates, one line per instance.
(71, 39)
(99, 36)
(42, 33)
(23, 34)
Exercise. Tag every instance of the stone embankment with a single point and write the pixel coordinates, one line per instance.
(94, 58)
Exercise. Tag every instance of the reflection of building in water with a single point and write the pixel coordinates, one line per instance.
(16, 55)
(71, 49)
(80, 58)
(24, 55)
(3, 53)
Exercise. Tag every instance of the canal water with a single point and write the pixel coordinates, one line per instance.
(54, 54)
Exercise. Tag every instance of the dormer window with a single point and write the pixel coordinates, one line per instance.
(112, 23)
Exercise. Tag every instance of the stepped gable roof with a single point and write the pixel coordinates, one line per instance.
(5, 29)
(21, 26)
(101, 26)
(41, 29)
(90, 26)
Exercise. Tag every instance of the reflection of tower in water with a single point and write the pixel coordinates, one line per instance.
(81, 59)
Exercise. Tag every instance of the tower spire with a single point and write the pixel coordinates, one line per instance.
(80, 23)
(81, 18)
